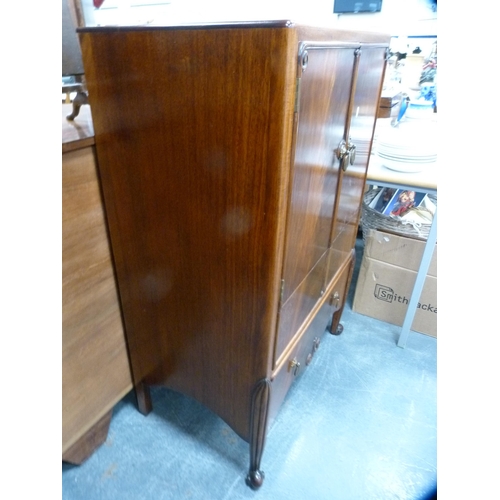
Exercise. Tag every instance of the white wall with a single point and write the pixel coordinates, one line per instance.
(317, 10)
(397, 17)
(415, 18)
(187, 11)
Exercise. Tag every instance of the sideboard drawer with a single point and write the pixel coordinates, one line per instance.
(301, 354)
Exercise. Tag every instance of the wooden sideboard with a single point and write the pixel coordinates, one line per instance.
(95, 367)
(233, 161)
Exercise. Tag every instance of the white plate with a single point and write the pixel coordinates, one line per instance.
(409, 159)
(428, 146)
(406, 154)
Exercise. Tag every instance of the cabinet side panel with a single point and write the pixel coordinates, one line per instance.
(192, 135)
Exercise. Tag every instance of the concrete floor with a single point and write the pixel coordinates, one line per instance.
(360, 424)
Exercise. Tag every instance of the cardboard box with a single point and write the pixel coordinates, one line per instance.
(386, 278)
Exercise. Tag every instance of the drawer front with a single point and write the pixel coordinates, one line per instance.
(339, 290)
(297, 308)
(340, 251)
(301, 355)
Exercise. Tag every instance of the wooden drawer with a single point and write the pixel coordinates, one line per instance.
(299, 305)
(338, 293)
(301, 354)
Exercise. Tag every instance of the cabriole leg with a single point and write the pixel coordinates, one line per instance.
(258, 428)
(336, 328)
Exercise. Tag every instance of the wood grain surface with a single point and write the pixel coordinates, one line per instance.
(95, 368)
(193, 133)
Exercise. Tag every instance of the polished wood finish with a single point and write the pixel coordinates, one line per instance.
(362, 127)
(95, 368)
(193, 164)
(217, 156)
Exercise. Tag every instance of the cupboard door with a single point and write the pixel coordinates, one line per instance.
(324, 84)
(360, 130)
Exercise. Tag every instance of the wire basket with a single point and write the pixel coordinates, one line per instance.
(371, 219)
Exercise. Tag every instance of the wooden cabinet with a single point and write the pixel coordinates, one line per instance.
(232, 190)
(95, 367)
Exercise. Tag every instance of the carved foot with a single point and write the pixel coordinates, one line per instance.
(258, 427)
(255, 478)
(338, 330)
(80, 99)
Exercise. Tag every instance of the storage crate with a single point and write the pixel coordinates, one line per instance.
(372, 219)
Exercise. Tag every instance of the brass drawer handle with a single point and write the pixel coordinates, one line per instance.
(294, 366)
(316, 343)
(336, 297)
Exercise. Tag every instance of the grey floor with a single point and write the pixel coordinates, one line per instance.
(360, 424)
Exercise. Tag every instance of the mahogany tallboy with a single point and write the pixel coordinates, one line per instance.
(233, 160)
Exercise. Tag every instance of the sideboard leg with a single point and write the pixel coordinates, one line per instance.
(80, 99)
(336, 328)
(143, 395)
(258, 427)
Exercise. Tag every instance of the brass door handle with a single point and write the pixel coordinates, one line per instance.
(346, 153)
(352, 153)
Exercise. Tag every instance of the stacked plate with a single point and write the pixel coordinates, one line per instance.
(358, 135)
(362, 147)
(407, 148)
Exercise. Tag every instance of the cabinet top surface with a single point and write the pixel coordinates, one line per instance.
(214, 25)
